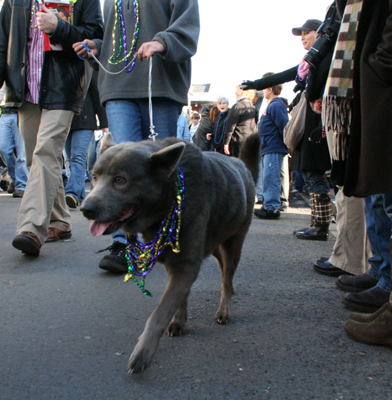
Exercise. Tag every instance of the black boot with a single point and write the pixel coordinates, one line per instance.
(317, 232)
(322, 215)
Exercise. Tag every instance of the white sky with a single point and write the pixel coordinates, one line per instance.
(243, 39)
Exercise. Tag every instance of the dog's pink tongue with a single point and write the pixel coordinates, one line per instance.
(98, 228)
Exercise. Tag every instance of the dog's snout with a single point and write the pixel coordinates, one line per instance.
(89, 210)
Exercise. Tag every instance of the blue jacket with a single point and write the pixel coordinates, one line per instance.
(271, 127)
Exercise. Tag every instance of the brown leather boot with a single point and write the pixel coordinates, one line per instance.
(378, 331)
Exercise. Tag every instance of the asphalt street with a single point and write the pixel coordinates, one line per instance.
(67, 328)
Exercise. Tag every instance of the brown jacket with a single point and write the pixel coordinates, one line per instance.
(369, 162)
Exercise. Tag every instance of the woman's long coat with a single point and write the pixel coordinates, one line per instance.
(369, 161)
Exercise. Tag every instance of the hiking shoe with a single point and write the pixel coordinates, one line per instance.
(71, 201)
(115, 261)
(356, 284)
(368, 301)
(267, 214)
(28, 243)
(54, 235)
(11, 188)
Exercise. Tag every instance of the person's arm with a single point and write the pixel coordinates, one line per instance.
(279, 117)
(317, 78)
(90, 28)
(381, 61)
(180, 39)
(5, 22)
(282, 77)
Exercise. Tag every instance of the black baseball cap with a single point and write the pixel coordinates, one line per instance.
(309, 25)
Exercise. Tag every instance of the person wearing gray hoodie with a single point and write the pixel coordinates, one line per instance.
(168, 29)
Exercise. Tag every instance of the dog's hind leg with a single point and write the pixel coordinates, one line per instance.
(181, 278)
(228, 258)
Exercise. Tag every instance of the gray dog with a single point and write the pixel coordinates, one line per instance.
(197, 203)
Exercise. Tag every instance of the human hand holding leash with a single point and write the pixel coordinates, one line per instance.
(148, 49)
(46, 20)
(81, 50)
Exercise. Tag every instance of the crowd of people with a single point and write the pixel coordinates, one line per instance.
(53, 98)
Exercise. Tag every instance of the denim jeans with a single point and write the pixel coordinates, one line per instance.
(272, 164)
(316, 181)
(76, 157)
(379, 228)
(260, 182)
(10, 142)
(129, 121)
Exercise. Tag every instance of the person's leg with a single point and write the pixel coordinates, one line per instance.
(371, 298)
(351, 250)
(299, 181)
(29, 121)
(21, 172)
(125, 120)
(43, 204)
(80, 142)
(272, 164)
(285, 182)
(165, 113)
(260, 184)
(317, 184)
(7, 145)
(91, 155)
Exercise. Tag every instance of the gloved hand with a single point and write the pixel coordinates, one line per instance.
(246, 85)
(316, 135)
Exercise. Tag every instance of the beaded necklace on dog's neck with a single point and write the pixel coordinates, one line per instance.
(141, 257)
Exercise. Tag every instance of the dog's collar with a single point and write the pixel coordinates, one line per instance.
(141, 257)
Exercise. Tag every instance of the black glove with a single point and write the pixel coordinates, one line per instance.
(246, 85)
(316, 135)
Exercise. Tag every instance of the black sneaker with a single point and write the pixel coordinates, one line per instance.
(115, 261)
(267, 214)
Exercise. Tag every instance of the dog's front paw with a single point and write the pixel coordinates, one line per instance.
(140, 359)
(222, 317)
(175, 328)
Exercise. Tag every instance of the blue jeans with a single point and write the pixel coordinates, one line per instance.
(316, 182)
(76, 147)
(379, 228)
(129, 121)
(271, 164)
(10, 142)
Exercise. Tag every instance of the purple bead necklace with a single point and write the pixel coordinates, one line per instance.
(122, 33)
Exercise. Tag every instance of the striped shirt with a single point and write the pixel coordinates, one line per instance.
(35, 59)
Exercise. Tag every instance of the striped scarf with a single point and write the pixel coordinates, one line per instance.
(338, 95)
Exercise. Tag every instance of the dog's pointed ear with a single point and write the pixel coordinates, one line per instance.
(168, 157)
(106, 142)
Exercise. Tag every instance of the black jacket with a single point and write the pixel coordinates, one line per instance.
(86, 120)
(63, 79)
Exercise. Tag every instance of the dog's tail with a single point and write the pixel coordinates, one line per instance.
(250, 154)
